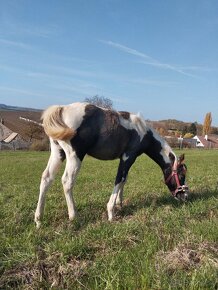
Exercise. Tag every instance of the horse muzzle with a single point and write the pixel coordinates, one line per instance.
(181, 193)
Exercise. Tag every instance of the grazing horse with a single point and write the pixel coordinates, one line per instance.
(82, 128)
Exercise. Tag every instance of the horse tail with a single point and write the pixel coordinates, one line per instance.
(54, 125)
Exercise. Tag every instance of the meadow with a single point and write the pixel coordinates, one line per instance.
(155, 241)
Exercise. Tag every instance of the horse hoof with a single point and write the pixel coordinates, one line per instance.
(119, 205)
(38, 224)
(110, 217)
(72, 217)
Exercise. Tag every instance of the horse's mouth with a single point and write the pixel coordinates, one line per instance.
(182, 195)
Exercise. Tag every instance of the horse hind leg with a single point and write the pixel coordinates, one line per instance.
(73, 164)
(47, 177)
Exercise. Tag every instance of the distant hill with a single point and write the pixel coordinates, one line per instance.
(10, 117)
(4, 107)
(172, 124)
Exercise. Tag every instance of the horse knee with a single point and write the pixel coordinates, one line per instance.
(67, 184)
(64, 180)
(47, 177)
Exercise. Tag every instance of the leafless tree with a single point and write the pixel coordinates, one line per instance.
(34, 131)
(100, 102)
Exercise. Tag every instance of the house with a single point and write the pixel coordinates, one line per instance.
(207, 141)
(187, 142)
(10, 140)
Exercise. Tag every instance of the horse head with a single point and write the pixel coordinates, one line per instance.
(175, 177)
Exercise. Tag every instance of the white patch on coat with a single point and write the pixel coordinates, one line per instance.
(134, 123)
(73, 114)
(125, 157)
(166, 149)
(112, 201)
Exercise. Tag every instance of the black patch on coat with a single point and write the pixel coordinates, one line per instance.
(102, 136)
(124, 167)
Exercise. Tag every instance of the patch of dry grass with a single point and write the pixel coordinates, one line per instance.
(49, 272)
(188, 256)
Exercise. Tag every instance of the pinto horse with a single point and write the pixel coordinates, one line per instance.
(82, 128)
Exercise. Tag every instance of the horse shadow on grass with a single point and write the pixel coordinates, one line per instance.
(95, 212)
(166, 200)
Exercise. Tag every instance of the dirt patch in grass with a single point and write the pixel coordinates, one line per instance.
(188, 256)
(47, 273)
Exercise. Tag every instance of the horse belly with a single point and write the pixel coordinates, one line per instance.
(104, 153)
(107, 149)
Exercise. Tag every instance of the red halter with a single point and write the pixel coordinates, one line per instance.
(174, 173)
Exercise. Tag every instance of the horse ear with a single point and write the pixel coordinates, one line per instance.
(172, 157)
(181, 158)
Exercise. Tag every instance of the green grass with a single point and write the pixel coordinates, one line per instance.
(155, 242)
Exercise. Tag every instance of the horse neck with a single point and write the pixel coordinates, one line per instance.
(158, 150)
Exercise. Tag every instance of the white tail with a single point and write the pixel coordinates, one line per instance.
(54, 125)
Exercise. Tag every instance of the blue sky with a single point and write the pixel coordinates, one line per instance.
(159, 58)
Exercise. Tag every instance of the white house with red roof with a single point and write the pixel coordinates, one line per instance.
(207, 141)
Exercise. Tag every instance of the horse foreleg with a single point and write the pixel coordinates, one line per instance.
(117, 195)
(119, 199)
(112, 201)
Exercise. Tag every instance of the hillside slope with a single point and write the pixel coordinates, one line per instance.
(11, 119)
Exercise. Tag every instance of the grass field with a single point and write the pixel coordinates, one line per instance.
(155, 242)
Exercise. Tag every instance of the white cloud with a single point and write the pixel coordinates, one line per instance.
(148, 60)
(126, 49)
